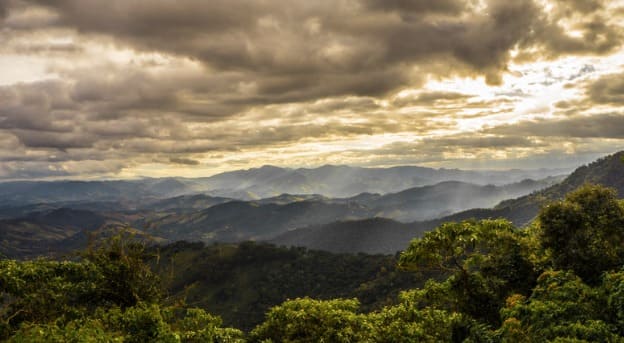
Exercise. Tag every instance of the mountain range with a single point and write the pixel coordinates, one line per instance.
(201, 217)
(346, 181)
(255, 184)
(54, 217)
(340, 236)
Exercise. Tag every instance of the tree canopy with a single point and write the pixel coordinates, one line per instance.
(559, 280)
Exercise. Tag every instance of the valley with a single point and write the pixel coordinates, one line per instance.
(60, 216)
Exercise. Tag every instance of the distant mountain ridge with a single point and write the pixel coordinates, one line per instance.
(201, 217)
(263, 219)
(373, 236)
(607, 171)
(257, 183)
(341, 224)
(345, 181)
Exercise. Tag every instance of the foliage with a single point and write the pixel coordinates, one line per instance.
(42, 291)
(140, 323)
(126, 279)
(487, 261)
(561, 306)
(308, 320)
(559, 280)
(409, 321)
(109, 295)
(241, 282)
(584, 232)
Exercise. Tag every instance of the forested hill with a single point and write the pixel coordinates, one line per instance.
(607, 171)
(240, 282)
(560, 280)
(334, 224)
(352, 236)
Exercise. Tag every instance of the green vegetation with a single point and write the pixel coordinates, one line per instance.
(241, 282)
(109, 295)
(558, 280)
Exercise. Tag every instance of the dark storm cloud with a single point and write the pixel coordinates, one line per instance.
(303, 50)
(183, 161)
(230, 75)
(61, 141)
(67, 115)
(417, 6)
(4, 9)
(609, 89)
(608, 125)
(583, 6)
(33, 107)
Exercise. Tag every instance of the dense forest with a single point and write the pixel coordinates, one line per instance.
(557, 280)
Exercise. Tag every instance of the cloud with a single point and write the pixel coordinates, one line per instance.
(4, 9)
(582, 6)
(608, 89)
(183, 161)
(429, 98)
(60, 141)
(417, 6)
(606, 125)
(300, 47)
(167, 82)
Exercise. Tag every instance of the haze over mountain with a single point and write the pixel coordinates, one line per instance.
(268, 181)
(233, 135)
(200, 217)
(393, 236)
(366, 222)
(607, 171)
(345, 181)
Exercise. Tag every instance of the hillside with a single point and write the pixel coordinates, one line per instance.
(607, 171)
(43, 232)
(311, 220)
(434, 201)
(234, 221)
(241, 282)
(372, 236)
(345, 181)
(254, 184)
(486, 281)
(201, 217)
(60, 231)
(35, 192)
(237, 221)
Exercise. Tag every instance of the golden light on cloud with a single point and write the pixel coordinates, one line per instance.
(94, 89)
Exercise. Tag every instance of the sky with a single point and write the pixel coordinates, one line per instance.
(127, 88)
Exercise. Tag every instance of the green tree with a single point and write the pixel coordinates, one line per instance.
(486, 261)
(109, 295)
(140, 323)
(308, 320)
(41, 291)
(584, 232)
(613, 288)
(125, 277)
(417, 319)
(561, 307)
